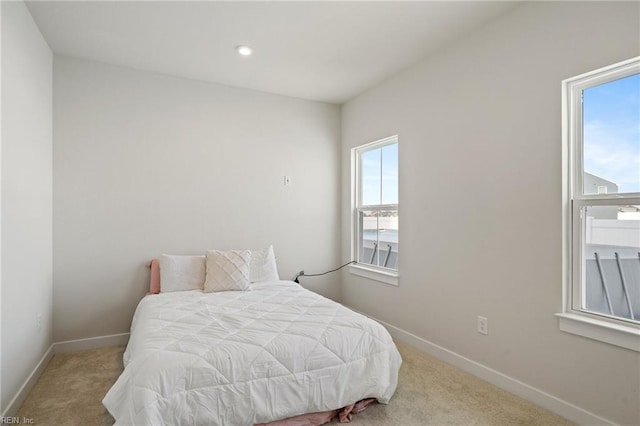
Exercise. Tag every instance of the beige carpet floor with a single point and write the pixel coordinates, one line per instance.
(430, 392)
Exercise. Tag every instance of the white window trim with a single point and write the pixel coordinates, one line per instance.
(571, 319)
(597, 329)
(384, 275)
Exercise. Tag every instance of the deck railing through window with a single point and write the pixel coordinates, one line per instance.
(612, 285)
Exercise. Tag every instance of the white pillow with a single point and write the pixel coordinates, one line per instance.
(178, 273)
(263, 266)
(227, 270)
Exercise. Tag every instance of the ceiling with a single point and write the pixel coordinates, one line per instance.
(320, 50)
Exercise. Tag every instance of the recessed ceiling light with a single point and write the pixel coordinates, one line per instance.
(244, 50)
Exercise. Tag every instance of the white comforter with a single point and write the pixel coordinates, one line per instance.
(238, 358)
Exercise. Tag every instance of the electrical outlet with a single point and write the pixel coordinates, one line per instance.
(287, 180)
(483, 325)
(39, 321)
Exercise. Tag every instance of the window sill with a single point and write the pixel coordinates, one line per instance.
(390, 278)
(615, 334)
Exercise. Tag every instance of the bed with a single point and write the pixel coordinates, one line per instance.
(249, 357)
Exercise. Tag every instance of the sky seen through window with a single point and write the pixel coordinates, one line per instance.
(611, 123)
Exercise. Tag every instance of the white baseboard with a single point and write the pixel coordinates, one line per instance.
(56, 348)
(31, 381)
(514, 386)
(91, 343)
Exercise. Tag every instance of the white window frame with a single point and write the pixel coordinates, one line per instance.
(373, 272)
(573, 319)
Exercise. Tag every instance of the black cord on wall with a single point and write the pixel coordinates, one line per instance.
(302, 274)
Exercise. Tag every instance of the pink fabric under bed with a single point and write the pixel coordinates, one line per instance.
(343, 414)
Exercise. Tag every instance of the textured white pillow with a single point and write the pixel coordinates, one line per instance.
(227, 270)
(263, 266)
(178, 273)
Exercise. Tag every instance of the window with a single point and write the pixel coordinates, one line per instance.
(375, 213)
(601, 127)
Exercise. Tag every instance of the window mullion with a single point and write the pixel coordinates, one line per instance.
(379, 207)
(608, 201)
(380, 202)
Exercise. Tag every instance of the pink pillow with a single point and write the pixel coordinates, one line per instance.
(154, 284)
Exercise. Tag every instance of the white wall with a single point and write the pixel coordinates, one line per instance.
(479, 126)
(26, 198)
(146, 164)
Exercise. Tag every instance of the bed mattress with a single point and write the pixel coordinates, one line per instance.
(247, 357)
